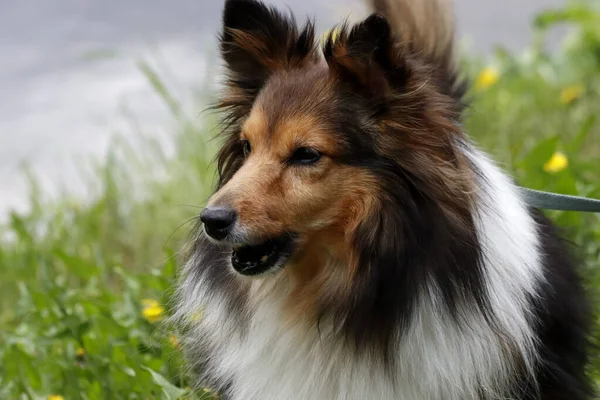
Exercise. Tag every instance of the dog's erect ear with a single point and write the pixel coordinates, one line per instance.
(364, 57)
(256, 41)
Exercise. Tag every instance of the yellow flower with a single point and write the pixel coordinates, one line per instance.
(55, 397)
(152, 311)
(571, 93)
(487, 78)
(80, 352)
(556, 163)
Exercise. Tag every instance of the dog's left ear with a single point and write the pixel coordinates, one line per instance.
(364, 57)
(256, 41)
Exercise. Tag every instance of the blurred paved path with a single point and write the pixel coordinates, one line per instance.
(61, 98)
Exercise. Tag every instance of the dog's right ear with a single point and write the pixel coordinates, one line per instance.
(255, 42)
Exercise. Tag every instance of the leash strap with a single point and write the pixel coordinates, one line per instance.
(554, 201)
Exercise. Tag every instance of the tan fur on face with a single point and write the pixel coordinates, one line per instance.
(323, 203)
(272, 196)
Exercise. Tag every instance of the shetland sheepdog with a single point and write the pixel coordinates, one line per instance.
(358, 244)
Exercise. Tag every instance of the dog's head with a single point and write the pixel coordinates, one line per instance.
(321, 142)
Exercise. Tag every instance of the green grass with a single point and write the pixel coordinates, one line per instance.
(73, 275)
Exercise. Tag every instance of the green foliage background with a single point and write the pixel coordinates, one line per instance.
(73, 275)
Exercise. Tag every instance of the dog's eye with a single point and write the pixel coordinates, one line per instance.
(305, 155)
(246, 147)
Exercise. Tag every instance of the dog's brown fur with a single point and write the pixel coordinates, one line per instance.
(282, 95)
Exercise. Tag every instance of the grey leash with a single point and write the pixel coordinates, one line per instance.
(555, 201)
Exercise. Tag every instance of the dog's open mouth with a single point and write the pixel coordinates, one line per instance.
(260, 258)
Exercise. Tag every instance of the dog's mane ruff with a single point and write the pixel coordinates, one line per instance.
(466, 352)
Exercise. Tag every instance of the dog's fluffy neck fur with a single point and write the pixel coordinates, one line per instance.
(266, 357)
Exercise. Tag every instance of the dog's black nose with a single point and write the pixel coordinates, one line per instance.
(218, 221)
